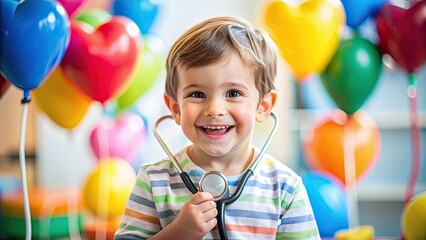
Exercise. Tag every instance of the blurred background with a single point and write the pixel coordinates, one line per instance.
(352, 105)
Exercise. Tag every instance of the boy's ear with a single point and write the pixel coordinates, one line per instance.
(266, 105)
(173, 107)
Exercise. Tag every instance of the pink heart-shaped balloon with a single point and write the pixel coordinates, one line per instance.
(101, 61)
(402, 34)
(72, 6)
(118, 138)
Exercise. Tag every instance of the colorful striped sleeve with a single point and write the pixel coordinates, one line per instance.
(140, 219)
(298, 221)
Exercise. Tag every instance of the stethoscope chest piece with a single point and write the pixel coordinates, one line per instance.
(215, 183)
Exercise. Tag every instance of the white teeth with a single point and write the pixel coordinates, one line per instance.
(215, 127)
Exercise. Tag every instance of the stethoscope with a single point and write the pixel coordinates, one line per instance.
(214, 181)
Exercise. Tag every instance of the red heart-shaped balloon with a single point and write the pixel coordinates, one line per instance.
(101, 61)
(4, 85)
(402, 34)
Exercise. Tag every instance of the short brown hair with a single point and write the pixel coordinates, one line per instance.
(211, 40)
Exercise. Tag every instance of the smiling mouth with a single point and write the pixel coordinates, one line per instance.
(215, 130)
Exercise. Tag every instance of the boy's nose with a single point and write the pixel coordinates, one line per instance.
(214, 109)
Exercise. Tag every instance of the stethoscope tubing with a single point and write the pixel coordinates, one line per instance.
(221, 203)
(184, 175)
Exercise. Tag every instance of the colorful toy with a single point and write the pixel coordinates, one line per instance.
(53, 214)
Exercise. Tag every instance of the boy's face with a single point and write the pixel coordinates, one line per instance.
(217, 106)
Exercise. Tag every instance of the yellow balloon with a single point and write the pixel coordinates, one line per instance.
(62, 102)
(306, 34)
(414, 218)
(107, 189)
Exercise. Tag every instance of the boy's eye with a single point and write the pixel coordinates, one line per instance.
(197, 95)
(233, 93)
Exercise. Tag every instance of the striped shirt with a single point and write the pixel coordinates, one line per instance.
(273, 205)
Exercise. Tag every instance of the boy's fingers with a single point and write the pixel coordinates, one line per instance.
(200, 197)
(211, 223)
(208, 215)
(206, 206)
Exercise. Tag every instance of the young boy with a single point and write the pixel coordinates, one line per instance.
(219, 83)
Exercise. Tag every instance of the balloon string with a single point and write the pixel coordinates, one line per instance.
(350, 174)
(415, 138)
(27, 212)
(73, 214)
(104, 184)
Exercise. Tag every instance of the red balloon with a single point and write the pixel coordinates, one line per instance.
(100, 62)
(402, 34)
(4, 85)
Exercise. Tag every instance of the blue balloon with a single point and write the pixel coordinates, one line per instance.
(34, 36)
(358, 10)
(328, 202)
(142, 12)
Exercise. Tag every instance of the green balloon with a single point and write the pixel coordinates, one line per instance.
(352, 74)
(151, 65)
(94, 16)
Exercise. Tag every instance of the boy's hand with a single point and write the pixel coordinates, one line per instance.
(196, 218)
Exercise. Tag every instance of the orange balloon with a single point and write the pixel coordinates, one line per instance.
(62, 102)
(324, 147)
